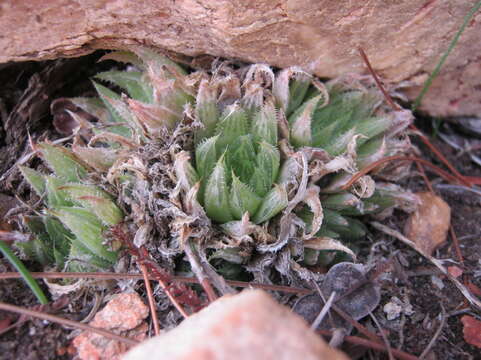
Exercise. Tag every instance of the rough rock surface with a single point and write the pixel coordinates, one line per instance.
(403, 39)
(250, 325)
(124, 314)
(428, 226)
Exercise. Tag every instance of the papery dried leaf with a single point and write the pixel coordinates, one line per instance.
(312, 200)
(153, 116)
(290, 87)
(184, 171)
(325, 243)
(123, 57)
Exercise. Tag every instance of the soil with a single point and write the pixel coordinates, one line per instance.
(24, 104)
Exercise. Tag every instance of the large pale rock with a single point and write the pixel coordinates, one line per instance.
(404, 39)
(250, 325)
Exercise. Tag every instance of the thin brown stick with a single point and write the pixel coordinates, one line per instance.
(436, 334)
(66, 322)
(378, 82)
(457, 247)
(372, 345)
(116, 276)
(362, 329)
(150, 297)
(461, 178)
(425, 178)
(383, 335)
(199, 271)
(375, 164)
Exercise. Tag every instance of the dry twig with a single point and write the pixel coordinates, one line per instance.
(66, 322)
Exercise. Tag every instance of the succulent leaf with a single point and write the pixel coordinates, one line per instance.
(243, 199)
(96, 200)
(87, 228)
(206, 156)
(35, 179)
(131, 81)
(264, 125)
(62, 162)
(274, 202)
(216, 197)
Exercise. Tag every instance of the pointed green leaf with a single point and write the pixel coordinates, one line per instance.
(216, 197)
(62, 162)
(97, 201)
(118, 109)
(34, 178)
(243, 199)
(206, 110)
(273, 203)
(267, 169)
(300, 121)
(60, 239)
(297, 92)
(264, 125)
(206, 156)
(233, 124)
(133, 82)
(87, 228)
(55, 195)
(81, 259)
(241, 158)
(340, 201)
(100, 159)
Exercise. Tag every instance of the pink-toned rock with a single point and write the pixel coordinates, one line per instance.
(250, 325)
(428, 226)
(403, 39)
(124, 314)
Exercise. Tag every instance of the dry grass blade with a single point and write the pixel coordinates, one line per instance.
(150, 297)
(183, 279)
(375, 164)
(66, 322)
(372, 345)
(396, 234)
(436, 335)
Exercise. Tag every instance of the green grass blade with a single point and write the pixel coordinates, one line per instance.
(15, 261)
(441, 62)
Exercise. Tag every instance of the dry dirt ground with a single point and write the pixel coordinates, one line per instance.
(414, 280)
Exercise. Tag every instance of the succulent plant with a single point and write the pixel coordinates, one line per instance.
(261, 150)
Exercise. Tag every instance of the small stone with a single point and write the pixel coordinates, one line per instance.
(250, 325)
(428, 226)
(396, 307)
(124, 315)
